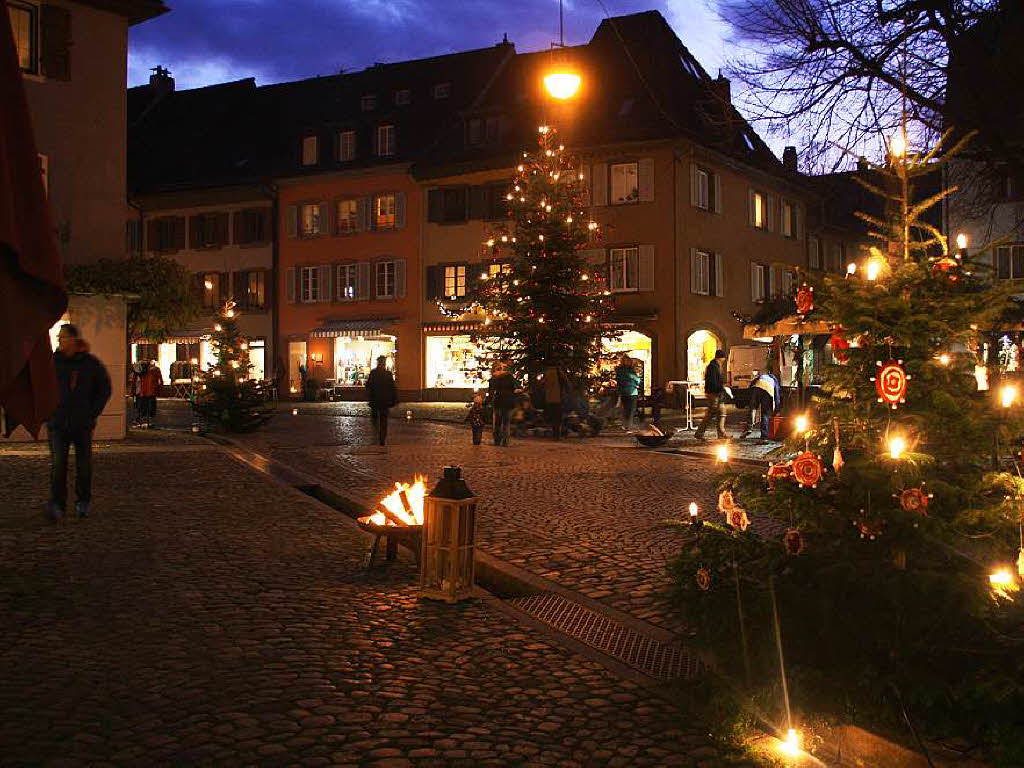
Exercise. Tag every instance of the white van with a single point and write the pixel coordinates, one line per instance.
(743, 361)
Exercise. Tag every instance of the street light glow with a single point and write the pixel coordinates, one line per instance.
(899, 144)
(722, 453)
(801, 424)
(897, 446)
(873, 267)
(562, 85)
(1007, 395)
(961, 241)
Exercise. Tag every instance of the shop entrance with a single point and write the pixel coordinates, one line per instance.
(356, 356)
(296, 359)
(700, 350)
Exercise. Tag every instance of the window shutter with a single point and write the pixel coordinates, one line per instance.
(770, 204)
(718, 192)
(694, 192)
(798, 224)
(400, 209)
(478, 201)
(400, 278)
(197, 286)
(323, 282)
(374, 133)
(750, 208)
(434, 282)
(363, 220)
(332, 221)
(193, 232)
(435, 205)
(645, 183)
(363, 280)
(293, 221)
(152, 236)
(266, 220)
(238, 227)
(290, 284)
(223, 287)
(600, 184)
(694, 272)
(55, 51)
(719, 275)
(222, 230)
(179, 232)
(645, 279)
(776, 281)
(325, 217)
(240, 288)
(585, 185)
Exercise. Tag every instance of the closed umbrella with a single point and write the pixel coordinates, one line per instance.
(32, 295)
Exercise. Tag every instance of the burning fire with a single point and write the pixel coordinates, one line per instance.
(405, 503)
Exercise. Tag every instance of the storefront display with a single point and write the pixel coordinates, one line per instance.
(356, 356)
(700, 350)
(453, 362)
(635, 344)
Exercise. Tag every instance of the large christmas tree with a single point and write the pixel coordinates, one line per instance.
(896, 574)
(226, 396)
(549, 303)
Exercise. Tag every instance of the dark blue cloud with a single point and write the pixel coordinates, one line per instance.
(207, 41)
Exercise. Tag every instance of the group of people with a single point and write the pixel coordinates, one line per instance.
(145, 383)
(765, 399)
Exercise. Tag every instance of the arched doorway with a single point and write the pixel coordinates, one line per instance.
(701, 346)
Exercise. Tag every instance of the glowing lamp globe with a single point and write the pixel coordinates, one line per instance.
(961, 241)
(851, 268)
(874, 266)
(801, 424)
(897, 447)
(722, 453)
(562, 85)
(1008, 395)
(899, 144)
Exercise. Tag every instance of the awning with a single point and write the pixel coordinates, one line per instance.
(787, 326)
(374, 327)
(460, 326)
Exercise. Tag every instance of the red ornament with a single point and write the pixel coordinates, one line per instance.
(891, 382)
(945, 266)
(793, 541)
(869, 529)
(704, 578)
(840, 346)
(915, 500)
(808, 470)
(782, 470)
(805, 299)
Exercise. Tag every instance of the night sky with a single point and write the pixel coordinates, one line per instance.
(210, 41)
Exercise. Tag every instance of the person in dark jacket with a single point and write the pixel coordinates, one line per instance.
(714, 391)
(501, 391)
(383, 395)
(477, 418)
(556, 388)
(627, 381)
(83, 389)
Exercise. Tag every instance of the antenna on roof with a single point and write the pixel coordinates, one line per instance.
(504, 38)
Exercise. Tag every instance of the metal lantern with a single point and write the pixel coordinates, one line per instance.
(449, 527)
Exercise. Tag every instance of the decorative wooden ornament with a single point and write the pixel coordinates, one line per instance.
(737, 518)
(837, 455)
(793, 540)
(726, 503)
(805, 299)
(840, 346)
(946, 266)
(869, 529)
(891, 382)
(915, 500)
(808, 470)
(704, 578)
(782, 470)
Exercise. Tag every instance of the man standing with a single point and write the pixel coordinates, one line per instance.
(627, 381)
(714, 391)
(83, 389)
(501, 391)
(383, 395)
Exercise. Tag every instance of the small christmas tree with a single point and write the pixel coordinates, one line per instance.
(894, 515)
(226, 395)
(548, 305)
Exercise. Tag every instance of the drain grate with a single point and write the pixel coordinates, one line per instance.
(665, 661)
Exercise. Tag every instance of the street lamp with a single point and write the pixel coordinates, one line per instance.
(562, 85)
(961, 241)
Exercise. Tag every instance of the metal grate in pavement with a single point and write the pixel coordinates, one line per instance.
(664, 661)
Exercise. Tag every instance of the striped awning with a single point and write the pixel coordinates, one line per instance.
(458, 326)
(332, 330)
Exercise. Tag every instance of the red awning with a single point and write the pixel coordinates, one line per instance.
(32, 295)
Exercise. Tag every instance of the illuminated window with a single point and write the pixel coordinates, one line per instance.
(384, 211)
(346, 145)
(385, 279)
(623, 269)
(760, 282)
(256, 290)
(493, 270)
(348, 216)
(23, 25)
(625, 182)
(385, 140)
(455, 281)
(310, 219)
(211, 289)
(759, 217)
(788, 230)
(310, 150)
(348, 282)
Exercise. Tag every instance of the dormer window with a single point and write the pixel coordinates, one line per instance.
(385, 140)
(483, 130)
(442, 90)
(310, 150)
(346, 145)
(368, 103)
(402, 97)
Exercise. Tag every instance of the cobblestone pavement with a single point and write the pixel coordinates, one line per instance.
(203, 614)
(586, 516)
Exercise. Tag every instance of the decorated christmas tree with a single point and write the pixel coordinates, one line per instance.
(547, 301)
(891, 538)
(226, 396)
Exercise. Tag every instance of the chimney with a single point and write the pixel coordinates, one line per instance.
(161, 81)
(862, 163)
(723, 88)
(789, 158)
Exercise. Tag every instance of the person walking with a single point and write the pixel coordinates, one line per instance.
(477, 418)
(83, 389)
(714, 391)
(627, 382)
(501, 391)
(383, 395)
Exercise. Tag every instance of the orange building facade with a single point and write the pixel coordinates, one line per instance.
(349, 285)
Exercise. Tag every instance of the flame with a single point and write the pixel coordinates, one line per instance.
(415, 493)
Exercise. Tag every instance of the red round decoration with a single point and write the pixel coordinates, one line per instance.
(915, 500)
(804, 299)
(704, 578)
(808, 470)
(945, 266)
(891, 382)
(793, 541)
(781, 470)
(840, 346)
